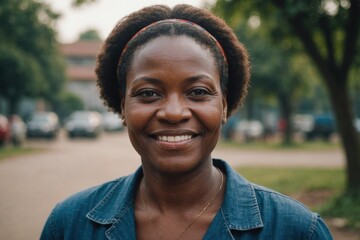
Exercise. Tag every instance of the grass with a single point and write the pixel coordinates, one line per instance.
(293, 180)
(8, 152)
(344, 206)
(304, 182)
(261, 145)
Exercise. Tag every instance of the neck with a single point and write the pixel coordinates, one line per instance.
(189, 191)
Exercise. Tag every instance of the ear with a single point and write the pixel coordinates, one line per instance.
(122, 109)
(225, 109)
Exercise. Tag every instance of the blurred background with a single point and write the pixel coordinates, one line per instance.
(297, 132)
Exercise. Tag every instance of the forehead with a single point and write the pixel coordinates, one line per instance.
(173, 49)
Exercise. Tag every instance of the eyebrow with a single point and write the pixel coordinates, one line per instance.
(147, 79)
(191, 79)
(198, 77)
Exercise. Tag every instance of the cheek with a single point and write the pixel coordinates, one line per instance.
(136, 116)
(210, 115)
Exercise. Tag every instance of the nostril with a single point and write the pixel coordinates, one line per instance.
(174, 111)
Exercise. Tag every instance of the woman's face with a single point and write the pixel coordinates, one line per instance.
(173, 105)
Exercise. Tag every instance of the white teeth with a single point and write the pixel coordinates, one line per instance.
(174, 138)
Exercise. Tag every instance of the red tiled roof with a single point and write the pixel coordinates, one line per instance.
(81, 48)
(86, 73)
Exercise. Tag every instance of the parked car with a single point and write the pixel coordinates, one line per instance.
(111, 122)
(84, 124)
(43, 124)
(303, 122)
(18, 130)
(4, 130)
(323, 127)
(251, 129)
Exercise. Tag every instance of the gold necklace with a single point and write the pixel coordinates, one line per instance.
(197, 216)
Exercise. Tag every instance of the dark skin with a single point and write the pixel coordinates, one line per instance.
(174, 108)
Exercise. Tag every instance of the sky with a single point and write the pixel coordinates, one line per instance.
(101, 15)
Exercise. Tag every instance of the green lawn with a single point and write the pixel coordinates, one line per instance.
(294, 180)
(8, 152)
(261, 145)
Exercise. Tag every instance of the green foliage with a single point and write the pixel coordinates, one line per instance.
(17, 68)
(328, 31)
(30, 62)
(90, 34)
(279, 70)
(278, 64)
(78, 3)
(322, 27)
(66, 103)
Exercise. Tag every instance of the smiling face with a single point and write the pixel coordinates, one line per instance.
(173, 104)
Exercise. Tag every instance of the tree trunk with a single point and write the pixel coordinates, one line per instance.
(349, 136)
(286, 111)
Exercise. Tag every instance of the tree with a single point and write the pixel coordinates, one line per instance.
(329, 33)
(275, 74)
(90, 35)
(66, 103)
(275, 71)
(19, 75)
(29, 60)
(77, 3)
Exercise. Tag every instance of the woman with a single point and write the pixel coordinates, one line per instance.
(175, 75)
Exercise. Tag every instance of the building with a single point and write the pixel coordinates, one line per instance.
(81, 60)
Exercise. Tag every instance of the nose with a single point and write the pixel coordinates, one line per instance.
(174, 110)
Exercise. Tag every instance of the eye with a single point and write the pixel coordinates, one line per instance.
(147, 93)
(199, 92)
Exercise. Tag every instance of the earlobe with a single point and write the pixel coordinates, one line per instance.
(123, 121)
(122, 110)
(224, 120)
(225, 113)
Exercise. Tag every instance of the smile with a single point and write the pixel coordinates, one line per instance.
(174, 138)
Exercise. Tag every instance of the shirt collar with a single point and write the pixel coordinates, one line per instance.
(240, 207)
(118, 200)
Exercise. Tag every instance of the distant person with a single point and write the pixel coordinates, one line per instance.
(175, 76)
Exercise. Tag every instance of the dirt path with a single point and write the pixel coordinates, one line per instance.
(31, 185)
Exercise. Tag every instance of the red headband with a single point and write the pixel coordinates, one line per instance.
(172, 21)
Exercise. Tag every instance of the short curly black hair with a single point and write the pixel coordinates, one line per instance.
(111, 72)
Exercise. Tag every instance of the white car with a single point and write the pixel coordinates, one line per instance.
(84, 124)
(111, 122)
(250, 129)
(43, 124)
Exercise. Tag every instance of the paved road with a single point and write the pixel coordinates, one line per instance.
(31, 185)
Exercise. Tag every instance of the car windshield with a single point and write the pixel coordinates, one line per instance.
(81, 116)
(40, 118)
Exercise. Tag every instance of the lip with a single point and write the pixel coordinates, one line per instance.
(174, 140)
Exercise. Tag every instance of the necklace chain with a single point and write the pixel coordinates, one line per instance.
(197, 216)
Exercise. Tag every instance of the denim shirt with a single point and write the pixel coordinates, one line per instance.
(248, 211)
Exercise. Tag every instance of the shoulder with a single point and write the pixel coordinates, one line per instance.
(278, 201)
(73, 211)
(284, 213)
(90, 196)
(262, 213)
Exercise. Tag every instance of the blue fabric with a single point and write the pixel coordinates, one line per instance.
(248, 211)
